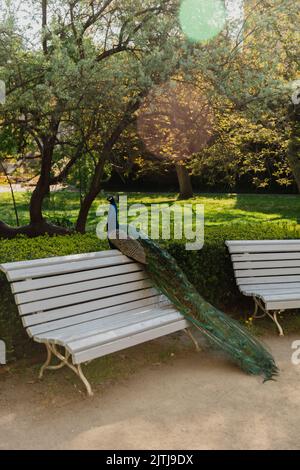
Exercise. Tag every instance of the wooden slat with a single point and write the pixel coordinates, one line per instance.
(149, 302)
(266, 264)
(124, 343)
(65, 312)
(266, 272)
(275, 286)
(265, 291)
(77, 287)
(282, 304)
(265, 256)
(62, 279)
(267, 280)
(82, 297)
(55, 269)
(106, 325)
(129, 330)
(264, 246)
(281, 296)
(57, 260)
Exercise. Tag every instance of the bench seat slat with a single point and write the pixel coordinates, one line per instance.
(266, 280)
(85, 307)
(108, 336)
(149, 302)
(282, 304)
(132, 340)
(281, 296)
(67, 289)
(81, 297)
(107, 324)
(275, 286)
(264, 293)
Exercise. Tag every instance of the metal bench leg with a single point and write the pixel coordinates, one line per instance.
(47, 362)
(273, 316)
(192, 337)
(275, 320)
(52, 349)
(258, 305)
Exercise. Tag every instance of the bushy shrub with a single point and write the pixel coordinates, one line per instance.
(209, 269)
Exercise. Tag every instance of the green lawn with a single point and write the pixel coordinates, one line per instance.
(220, 209)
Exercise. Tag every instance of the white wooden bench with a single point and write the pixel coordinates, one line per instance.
(268, 271)
(88, 305)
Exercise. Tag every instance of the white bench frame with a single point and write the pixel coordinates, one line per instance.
(268, 271)
(86, 306)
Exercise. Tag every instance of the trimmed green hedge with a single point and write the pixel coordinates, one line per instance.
(209, 269)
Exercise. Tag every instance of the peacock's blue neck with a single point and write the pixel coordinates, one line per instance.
(112, 219)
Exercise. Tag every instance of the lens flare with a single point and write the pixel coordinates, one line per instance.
(202, 20)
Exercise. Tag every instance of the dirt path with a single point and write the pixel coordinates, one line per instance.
(190, 401)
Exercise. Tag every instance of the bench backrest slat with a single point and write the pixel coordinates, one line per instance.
(84, 286)
(265, 256)
(58, 260)
(81, 276)
(263, 246)
(78, 298)
(94, 315)
(85, 307)
(62, 268)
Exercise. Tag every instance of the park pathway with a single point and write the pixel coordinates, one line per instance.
(197, 401)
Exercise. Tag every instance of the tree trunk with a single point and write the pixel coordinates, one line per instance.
(43, 185)
(38, 225)
(88, 200)
(31, 230)
(293, 150)
(44, 25)
(95, 186)
(184, 180)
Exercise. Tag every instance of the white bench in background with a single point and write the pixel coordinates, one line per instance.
(86, 306)
(268, 271)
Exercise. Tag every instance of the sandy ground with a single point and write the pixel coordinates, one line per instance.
(190, 401)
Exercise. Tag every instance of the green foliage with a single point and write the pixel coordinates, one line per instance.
(242, 147)
(210, 269)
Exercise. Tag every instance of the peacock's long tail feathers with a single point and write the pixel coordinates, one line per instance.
(219, 328)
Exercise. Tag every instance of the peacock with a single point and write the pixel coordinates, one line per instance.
(220, 329)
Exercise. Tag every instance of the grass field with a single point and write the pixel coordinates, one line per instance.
(219, 209)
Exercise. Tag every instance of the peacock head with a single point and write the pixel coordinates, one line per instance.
(111, 200)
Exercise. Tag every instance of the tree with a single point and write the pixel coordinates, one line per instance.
(175, 122)
(94, 60)
(73, 92)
